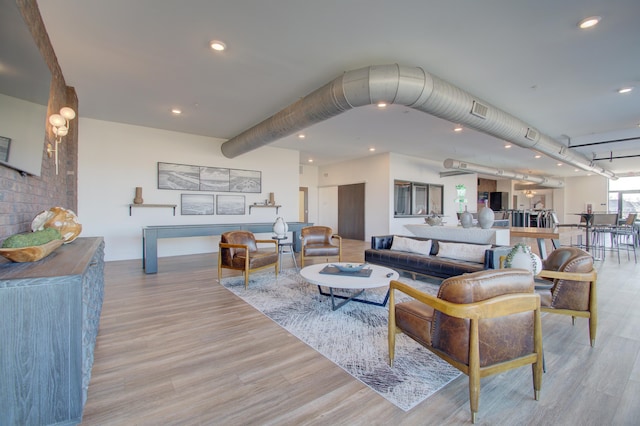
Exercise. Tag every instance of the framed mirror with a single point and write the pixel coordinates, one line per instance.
(25, 81)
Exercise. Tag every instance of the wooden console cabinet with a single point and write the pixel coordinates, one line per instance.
(49, 318)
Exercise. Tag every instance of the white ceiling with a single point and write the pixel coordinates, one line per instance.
(132, 61)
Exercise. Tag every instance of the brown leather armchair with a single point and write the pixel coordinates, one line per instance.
(572, 290)
(317, 241)
(239, 250)
(482, 323)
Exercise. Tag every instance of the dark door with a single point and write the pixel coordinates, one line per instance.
(351, 211)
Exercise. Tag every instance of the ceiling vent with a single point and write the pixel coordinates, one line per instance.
(463, 165)
(532, 134)
(479, 110)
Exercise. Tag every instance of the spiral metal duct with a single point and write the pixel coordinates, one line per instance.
(412, 87)
(450, 163)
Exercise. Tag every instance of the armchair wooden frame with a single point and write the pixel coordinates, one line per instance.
(592, 313)
(247, 261)
(490, 308)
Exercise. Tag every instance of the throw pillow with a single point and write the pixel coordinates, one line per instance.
(462, 251)
(411, 245)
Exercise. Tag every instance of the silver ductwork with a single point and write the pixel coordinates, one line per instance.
(450, 163)
(412, 87)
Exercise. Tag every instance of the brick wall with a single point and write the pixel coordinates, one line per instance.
(23, 197)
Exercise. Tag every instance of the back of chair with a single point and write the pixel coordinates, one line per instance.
(316, 235)
(631, 219)
(605, 219)
(568, 294)
(502, 338)
(236, 237)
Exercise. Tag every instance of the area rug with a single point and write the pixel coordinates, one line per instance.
(354, 337)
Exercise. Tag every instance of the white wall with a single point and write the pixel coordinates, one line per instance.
(115, 158)
(371, 170)
(309, 179)
(580, 191)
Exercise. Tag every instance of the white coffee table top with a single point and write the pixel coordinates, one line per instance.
(378, 277)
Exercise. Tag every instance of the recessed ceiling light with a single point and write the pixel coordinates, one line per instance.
(302, 136)
(589, 22)
(537, 156)
(507, 146)
(372, 149)
(310, 160)
(382, 104)
(176, 111)
(217, 45)
(457, 129)
(625, 89)
(559, 164)
(576, 170)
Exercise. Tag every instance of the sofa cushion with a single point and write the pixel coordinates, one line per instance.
(411, 245)
(463, 251)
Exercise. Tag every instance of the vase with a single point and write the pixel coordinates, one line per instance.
(466, 219)
(522, 257)
(486, 217)
(280, 228)
(138, 198)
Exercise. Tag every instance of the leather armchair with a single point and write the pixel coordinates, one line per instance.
(481, 323)
(572, 290)
(318, 241)
(239, 250)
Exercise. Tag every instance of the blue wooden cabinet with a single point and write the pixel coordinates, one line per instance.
(49, 319)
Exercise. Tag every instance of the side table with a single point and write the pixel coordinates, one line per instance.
(282, 244)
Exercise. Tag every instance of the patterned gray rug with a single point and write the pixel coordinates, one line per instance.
(353, 337)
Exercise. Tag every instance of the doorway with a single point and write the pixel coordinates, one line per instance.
(303, 204)
(351, 211)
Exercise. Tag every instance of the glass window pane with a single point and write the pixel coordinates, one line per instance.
(419, 200)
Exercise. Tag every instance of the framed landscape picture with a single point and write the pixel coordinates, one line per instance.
(245, 181)
(178, 176)
(230, 205)
(196, 204)
(5, 144)
(214, 179)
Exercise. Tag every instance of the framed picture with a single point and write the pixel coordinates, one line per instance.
(230, 205)
(245, 181)
(214, 179)
(5, 144)
(196, 204)
(178, 176)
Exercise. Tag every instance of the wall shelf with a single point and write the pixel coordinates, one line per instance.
(262, 206)
(173, 206)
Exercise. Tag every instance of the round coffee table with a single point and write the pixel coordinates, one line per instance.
(380, 277)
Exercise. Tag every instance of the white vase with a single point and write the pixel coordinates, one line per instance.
(466, 219)
(280, 228)
(521, 257)
(486, 217)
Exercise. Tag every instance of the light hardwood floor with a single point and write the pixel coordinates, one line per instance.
(177, 348)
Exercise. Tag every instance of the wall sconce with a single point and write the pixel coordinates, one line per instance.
(60, 125)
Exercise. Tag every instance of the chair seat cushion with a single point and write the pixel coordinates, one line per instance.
(321, 250)
(257, 259)
(414, 318)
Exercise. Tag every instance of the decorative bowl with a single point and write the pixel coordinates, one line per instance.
(31, 253)
(349, 267)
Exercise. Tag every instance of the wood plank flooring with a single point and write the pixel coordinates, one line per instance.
(177, 348)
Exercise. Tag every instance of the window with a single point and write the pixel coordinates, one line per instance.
(624, 196)
(416, 198)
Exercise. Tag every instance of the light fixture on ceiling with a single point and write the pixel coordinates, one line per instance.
(60, 126)
(176, 111)
(381, 104)
(529, 193)
(301, 136)
(217, 45)
(457, 128)
(310, 160)
(507, 146)
(589, 22)
(537, 156)
(623, 90)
